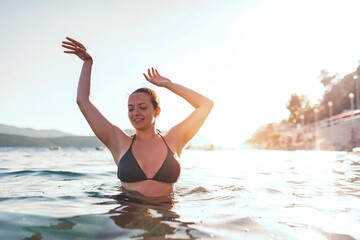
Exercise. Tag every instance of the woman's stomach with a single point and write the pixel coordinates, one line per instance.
(150, 188)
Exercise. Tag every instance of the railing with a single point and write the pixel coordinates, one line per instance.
(336, 119)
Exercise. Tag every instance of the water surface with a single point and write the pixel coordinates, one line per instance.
(223, 194)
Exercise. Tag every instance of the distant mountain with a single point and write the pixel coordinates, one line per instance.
(10, 140)
(30, 132)
(7, 140)
(28, 137)
(69, 140)
(22, 141)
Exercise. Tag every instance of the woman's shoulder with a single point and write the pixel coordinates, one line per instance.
(120, 142)
(173, 140)
(121, 137)
(168, 135)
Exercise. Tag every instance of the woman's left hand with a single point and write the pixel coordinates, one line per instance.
(155, 78)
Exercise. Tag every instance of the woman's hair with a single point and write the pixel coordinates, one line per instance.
(153, 97)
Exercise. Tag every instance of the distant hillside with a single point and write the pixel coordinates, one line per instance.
(7, 140)
(10, 140)
(29, 132)
(16, 140)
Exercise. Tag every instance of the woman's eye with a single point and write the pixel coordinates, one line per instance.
(130, 109)
(143, 108)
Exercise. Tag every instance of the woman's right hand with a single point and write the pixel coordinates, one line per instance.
(155, 78)
(76, 48)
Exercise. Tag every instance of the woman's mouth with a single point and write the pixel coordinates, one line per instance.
(137, 120)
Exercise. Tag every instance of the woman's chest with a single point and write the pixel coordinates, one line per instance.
(150, 158)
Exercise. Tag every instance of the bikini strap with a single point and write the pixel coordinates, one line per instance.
(158, 131)
(132, 142)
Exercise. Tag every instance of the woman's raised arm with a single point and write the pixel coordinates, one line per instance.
(109, 134)
(186, 129)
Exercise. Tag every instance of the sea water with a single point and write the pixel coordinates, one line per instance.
(222, 194)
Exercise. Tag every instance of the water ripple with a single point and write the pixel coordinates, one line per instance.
(252, 195)
(43, 173)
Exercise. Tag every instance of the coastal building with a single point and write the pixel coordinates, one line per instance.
(340, 132)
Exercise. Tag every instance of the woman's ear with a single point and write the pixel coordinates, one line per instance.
(157, 111)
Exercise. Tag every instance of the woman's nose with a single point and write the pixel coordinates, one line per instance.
(136, 111)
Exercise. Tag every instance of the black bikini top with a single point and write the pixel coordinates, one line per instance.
(129, 170)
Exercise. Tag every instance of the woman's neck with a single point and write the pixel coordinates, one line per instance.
(148, 134)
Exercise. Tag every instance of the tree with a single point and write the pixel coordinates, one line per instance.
(297, 105)
(326, 79)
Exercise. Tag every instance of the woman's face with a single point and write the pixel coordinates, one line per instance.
(141, 111)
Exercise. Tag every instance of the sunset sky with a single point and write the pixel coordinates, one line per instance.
(248, 56)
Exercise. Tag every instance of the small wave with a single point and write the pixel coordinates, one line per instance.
(338, 172)
(355, 163)
(202, 194)
(232, 188)
(61, 173)
(225, 190)
(222, 198)
(295, 205)
(67, 197)
(296, 182)
(243, 222)
(63, 224)
(198, 190)
(94, 194)
(17, 173)
(4, 198)
(272, 190)
(295, 225)
(42, 173)
(328, 235)
(38, 198)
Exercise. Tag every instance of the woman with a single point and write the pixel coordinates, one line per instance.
(140, 158)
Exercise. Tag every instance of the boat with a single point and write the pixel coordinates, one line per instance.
(100, 148)
(54, 148)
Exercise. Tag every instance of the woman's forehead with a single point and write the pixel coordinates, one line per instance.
(139, 97)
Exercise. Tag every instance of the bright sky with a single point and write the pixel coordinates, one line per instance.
(248, 56)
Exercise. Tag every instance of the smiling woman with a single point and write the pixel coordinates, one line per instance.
(147, 161)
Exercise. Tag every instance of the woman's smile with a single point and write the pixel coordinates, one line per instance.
(137, 120)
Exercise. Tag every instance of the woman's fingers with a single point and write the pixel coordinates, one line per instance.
(71, 46)
(74, 42)
(68, 47)
(76, 48)
(153, 73)
(68, 43)
(72, 52)
(146, 77)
